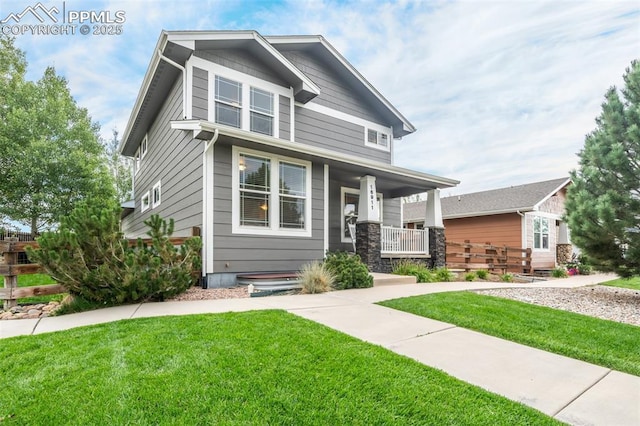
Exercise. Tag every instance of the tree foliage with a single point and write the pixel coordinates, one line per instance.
(89, 256)
(50, 153)
(120, 169)
(603, 204)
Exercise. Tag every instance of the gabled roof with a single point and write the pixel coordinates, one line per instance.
(519, 198)
(175, 47)
(321, 47)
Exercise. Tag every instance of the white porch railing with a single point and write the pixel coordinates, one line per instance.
(404, 241)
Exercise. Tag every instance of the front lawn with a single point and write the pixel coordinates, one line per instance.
(632, 283)
(606, 343)
(263, 367)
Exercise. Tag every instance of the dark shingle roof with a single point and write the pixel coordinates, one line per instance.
(495, 201)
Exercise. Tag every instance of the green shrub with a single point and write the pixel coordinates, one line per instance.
(470, 276)
(90, 258)
(559, 273)
(348, 270)
(584, 269)
(507, 278)
(444, 275)
(483, 274)
(315, 277)
(414, 268)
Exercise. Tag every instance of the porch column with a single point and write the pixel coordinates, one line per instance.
(564, 249)
(433, 222)
(368, 243)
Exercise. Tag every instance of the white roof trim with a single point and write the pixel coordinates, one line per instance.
(407, 126)
(208, 126)
(549, 195)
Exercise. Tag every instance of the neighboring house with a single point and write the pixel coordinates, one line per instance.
(527, 216)
(270, 145)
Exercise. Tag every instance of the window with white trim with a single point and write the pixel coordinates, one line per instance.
(261, 111)
(540, 233)
(145, 202)
(350, 198)
(156, 195)
(228, 107)
(271, 194)
(377, 138)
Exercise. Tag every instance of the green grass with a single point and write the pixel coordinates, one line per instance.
(632, 283)
(33, 280)
(263, 367)
(606, 343)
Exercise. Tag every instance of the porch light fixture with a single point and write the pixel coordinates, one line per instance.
(242, 166)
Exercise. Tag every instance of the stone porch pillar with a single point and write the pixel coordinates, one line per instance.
(368, 239)
(434, 223)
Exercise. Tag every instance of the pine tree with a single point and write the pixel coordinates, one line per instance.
(603, 204)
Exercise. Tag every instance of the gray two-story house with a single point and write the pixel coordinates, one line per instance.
(271, 146)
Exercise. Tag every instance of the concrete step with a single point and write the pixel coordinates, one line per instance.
(391, 279)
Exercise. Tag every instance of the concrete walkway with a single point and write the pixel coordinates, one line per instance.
(569, 390)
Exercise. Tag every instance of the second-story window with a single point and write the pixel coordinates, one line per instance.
(377, 138)
(261, 111)
(228, 102)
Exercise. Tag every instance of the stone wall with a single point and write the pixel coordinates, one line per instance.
(437, 247)
(369, 245)
(564, 252)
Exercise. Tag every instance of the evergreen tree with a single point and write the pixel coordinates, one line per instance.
(50, 153)
(603, 204)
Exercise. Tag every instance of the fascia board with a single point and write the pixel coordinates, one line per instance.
(208, 126)
(549, 195)
(146, 82)
(487, 213)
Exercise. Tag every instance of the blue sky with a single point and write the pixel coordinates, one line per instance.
(502, 93)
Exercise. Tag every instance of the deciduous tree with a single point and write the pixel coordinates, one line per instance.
(50, 153)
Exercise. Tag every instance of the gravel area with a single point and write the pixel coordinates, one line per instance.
(610, 303)
(198, 293)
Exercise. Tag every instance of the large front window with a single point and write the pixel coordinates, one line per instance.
(272, 194)
(541, 233)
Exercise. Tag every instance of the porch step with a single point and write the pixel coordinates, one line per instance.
(391, 279)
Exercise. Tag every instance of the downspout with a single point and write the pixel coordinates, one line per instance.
(207, 208)
(184, 80)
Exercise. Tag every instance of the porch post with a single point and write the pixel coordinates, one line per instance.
(368, 243)
(564, 249)
(434, 223)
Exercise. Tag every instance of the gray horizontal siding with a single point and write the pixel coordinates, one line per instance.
(237, 253)
(323, 131)
(200, 97)
(391, 208)
(285, 117)
(242, 61)
(174, 159)
(334, 91)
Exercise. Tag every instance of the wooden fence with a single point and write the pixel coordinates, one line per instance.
(13, 265)
(6, 234)
(472, 256)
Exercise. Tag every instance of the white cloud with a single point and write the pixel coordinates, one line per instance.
(502, 93)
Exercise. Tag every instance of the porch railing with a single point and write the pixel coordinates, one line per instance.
(404, 241)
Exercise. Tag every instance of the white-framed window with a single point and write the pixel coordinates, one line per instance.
(228, 106)
(271, 194)
(350, 198)
(145, 202)
(378, 138)
(540, 233)
(261, 111)
(156, 195)
(143, 147)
